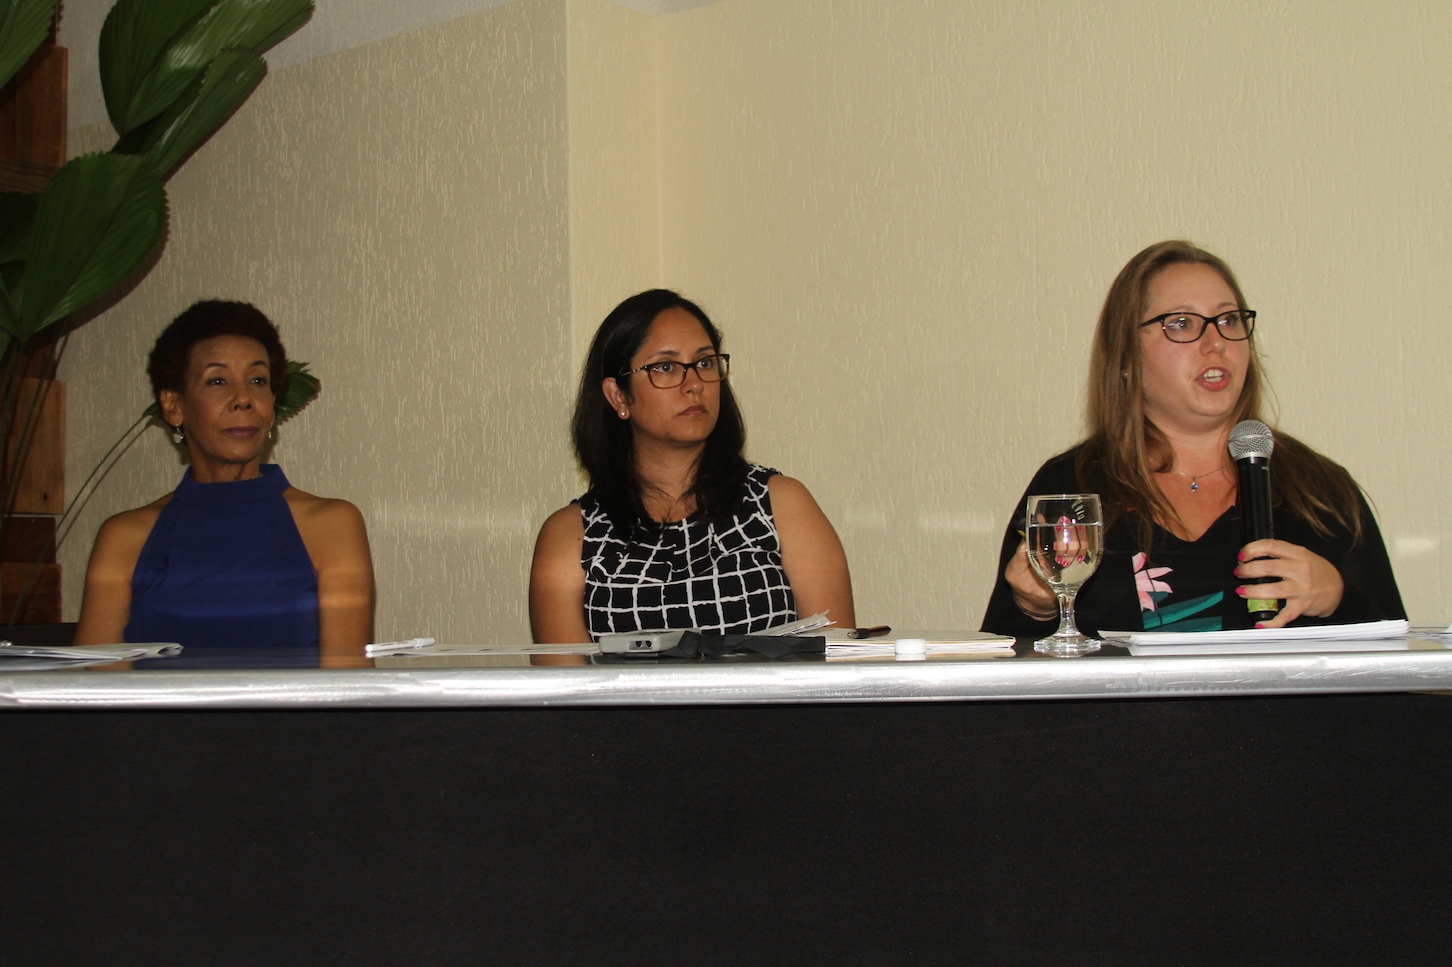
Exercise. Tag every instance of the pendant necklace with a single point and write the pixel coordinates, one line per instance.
(1195, 480)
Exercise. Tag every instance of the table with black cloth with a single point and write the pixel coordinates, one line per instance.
(1258, 809)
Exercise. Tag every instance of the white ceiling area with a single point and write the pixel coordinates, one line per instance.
(336, 25)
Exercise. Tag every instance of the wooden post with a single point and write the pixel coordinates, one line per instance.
(32, 149)
(33, 110)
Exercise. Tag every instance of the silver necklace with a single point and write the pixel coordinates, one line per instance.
(1195, 480)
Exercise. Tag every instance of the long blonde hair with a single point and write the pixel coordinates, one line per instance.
(1125, 449)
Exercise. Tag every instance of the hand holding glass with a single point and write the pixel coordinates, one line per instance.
(1063, 536)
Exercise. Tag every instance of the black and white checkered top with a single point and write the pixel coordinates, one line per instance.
(722, 576)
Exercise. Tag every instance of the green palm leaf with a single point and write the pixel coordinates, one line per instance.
(302, 388)
(9, 315)
(133, 39)
(97, 220)
(23, 25)
(142, 138)
(260, 25)
(229, 81)
(17, 215)
(145, 88)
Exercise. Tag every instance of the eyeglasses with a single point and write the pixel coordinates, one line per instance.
(1235, 326)
(669, 373)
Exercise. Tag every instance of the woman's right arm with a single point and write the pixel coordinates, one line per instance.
(1021, 604)
(557, 581)
(1032, 596)
(106, 606)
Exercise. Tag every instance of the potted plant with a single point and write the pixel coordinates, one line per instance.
(172, 72)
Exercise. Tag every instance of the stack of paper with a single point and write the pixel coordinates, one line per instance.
(1366, 636)
(939, 644)
(804, 626)
(47, 658)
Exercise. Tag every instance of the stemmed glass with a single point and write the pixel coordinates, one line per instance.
(1063, 534)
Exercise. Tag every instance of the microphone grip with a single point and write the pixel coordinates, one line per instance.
(1255, 523)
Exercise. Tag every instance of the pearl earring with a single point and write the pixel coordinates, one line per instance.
(176, 434)
(623, 414)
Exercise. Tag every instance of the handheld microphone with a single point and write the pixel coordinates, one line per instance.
(1251, 444)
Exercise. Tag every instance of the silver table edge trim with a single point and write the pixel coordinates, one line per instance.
(734, 684)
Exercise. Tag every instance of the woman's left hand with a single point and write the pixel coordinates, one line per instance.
(1309, 584)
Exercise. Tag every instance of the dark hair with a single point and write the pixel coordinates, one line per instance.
(167, 365)
(1125, 449)
(604, 443)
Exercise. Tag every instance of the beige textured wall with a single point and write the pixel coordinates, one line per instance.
(905, 216)
(903, 213)
(401, 210)
(614, 182)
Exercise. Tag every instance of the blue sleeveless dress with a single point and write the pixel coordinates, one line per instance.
(225, 568)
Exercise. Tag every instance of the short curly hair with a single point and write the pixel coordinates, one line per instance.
(167, 365)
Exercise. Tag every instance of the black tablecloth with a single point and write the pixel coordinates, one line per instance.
(1307, 830)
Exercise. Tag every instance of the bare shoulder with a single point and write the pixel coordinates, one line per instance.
(564, 524)
(790, 495)
(799, 520)
(130, 528)
(561, 537)
(796, 512)
(327, 514)
(334, 534)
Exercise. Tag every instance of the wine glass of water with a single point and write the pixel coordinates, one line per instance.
(1063, 535)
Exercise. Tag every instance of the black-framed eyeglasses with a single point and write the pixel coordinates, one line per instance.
(1236, 325)
(670, 373)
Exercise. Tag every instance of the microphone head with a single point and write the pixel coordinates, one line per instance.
(1251, 438)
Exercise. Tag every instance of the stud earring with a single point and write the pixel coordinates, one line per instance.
(623, 414)
(176, 434)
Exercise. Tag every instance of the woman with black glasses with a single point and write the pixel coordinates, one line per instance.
(676, 530)
(1174, 368)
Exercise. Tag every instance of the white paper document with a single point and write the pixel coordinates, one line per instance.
(936, 644)
(45, 657)
(801, 627)
(1366, 636)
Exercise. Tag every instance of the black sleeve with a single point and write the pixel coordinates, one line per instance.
(1369, 587)
(1370, 592)
(1003, 616)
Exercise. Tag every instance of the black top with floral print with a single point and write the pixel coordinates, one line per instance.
(1177, 585)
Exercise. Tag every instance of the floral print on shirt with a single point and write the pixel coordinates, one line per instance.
(1180, 616)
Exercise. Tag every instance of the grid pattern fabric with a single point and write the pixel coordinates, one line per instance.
(721, 576)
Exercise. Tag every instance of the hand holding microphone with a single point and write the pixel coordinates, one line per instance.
(1306, 581)
(1274, 571)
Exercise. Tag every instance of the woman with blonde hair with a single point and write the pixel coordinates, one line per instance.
(1174, 368)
